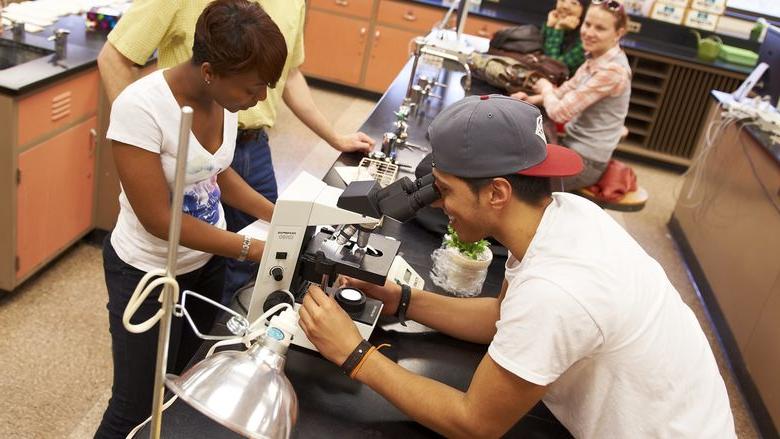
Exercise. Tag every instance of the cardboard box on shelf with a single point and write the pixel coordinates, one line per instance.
(714, 6)
(679, 3)
(668, 13)
(701, 19)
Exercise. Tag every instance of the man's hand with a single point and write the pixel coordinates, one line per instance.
(568, 22)
(552, 19)
(328, 326)
(389, 294)
(542, 85)
(523, 96)
(356, 142)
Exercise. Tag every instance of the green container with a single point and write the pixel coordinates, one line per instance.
(738, 55)
(707, 49)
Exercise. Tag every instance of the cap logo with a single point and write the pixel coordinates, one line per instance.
(540, 128)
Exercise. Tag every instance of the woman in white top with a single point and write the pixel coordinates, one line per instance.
(238, 52)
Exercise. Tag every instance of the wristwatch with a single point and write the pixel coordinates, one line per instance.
(403, 304)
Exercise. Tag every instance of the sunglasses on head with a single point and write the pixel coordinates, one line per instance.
(612, 5)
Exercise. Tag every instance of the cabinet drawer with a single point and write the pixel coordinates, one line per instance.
(409, 16)
(484, 28)
(57, 106)
(357, 8)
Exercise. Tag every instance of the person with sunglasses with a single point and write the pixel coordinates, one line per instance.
(593, 104)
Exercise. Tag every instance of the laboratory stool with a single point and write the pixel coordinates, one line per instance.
(631, 202)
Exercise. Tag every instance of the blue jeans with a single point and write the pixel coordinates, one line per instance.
(252, 161)
(135, 355)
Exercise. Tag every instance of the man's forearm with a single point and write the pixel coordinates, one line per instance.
(443, 313)
(116, 71)
(238, 194)
(297, 96)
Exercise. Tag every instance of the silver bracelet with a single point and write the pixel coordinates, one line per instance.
(244, 248)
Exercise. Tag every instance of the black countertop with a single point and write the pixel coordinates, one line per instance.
(83, 49)
(761, 137)
(333, 406)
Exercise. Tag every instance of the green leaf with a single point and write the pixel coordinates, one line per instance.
(469, 249)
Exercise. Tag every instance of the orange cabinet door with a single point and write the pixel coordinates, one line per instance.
(389, 53)
(483, 28)
(358, 8)
(334, 46)
(54, 195)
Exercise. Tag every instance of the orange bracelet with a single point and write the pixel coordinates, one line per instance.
(363, 360)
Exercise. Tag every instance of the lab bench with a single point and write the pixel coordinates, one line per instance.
(331, 404)
(727, 224)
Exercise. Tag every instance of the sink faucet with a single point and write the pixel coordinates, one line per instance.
(60, 39)
(17, 29)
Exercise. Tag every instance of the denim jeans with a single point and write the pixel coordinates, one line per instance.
(135, 355)
(252, 161)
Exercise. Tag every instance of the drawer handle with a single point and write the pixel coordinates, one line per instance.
(92, 141)
(342, 2)
(409, 16)
(482, 32)
(362, 31)
(377, 35)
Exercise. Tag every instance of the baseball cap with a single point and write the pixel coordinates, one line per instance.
(494, 135)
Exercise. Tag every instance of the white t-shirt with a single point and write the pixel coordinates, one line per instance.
(146, 115)
(593, 316)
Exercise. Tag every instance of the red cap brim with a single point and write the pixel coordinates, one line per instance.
(560, 162)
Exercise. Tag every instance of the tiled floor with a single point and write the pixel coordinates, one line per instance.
(55, 351)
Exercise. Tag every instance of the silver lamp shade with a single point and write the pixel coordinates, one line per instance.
(246, 392)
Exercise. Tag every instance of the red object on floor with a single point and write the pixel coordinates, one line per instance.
(618, 180)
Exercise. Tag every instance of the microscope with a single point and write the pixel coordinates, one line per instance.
(319, 232)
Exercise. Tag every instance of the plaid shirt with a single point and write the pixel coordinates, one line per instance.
(594, 80)
(553, 47)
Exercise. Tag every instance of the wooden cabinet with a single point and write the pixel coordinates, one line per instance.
(364, 44)
(389, 53)
(47, 166)
(727, 221)
(335, 46)
(54, 194)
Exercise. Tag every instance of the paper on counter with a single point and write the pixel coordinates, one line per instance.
(353, 173)
(256, 230)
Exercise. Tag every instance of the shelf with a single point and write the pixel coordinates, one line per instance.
(642, 85)
(636, 114)
(637, 128)
(653, 73)
(643, 101)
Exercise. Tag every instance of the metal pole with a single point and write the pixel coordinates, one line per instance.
(463, 12)
(174, 232)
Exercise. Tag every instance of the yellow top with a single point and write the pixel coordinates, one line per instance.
(169, 27)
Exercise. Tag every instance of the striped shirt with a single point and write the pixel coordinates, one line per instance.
(168, 26)
(572, 57)
(595, 79)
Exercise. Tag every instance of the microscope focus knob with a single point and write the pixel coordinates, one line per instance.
(351, 299)
(277, 273)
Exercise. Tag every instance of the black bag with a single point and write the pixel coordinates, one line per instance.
(523, 39)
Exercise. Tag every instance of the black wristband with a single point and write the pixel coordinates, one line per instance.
(403, 304)
(354, 358)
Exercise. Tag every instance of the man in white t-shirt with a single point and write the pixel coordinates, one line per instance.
(586, 321)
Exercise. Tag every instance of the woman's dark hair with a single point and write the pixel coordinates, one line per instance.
(532, 190)
(236, 36)
(571, 37)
